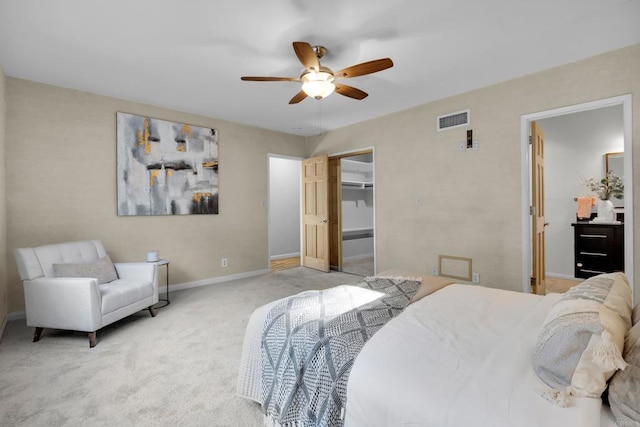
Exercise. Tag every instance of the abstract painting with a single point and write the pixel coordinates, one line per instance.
(166, 168)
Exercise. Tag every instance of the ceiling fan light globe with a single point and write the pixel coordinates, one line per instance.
(318, 85)
(318, 89)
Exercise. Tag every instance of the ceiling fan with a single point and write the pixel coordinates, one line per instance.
(319, 81)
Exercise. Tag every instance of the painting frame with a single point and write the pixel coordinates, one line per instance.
(165, 167)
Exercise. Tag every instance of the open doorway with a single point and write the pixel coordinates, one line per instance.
(569, 158)
(356, 173)
(284, 212)
(352, 212)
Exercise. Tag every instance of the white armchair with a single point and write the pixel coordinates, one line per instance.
(82, 303)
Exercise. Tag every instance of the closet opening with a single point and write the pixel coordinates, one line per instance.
(352, 213)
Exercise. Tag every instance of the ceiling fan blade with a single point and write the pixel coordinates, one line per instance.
(269, 79)
(350, 91)
(364, 68)
(306, 55)
(298, 97)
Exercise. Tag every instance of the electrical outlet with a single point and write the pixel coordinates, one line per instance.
(475, 277)
(434, 271)
(224, 262)
(462, 146)
(475, 145)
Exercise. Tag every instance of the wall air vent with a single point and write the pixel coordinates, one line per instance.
(454, 120)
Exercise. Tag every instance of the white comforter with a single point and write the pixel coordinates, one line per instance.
(460, 357)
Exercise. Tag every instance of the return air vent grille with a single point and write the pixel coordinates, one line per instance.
(454, 120)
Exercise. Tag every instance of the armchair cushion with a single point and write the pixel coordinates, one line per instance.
(101, 269)
(122, 293)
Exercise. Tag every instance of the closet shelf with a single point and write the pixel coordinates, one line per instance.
(357, 233)
(357, 184)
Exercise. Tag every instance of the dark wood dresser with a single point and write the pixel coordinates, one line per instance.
(598, 248)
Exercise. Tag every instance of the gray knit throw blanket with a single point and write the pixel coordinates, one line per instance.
(310, 342)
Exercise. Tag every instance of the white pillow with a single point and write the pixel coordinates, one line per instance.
(580, 344)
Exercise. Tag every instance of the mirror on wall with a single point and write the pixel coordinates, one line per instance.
(614, 162)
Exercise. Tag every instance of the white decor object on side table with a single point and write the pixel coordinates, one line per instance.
(610, 186)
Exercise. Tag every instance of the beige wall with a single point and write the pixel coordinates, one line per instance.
(3, 204)
(61, 177)
(471, 200)
(61, 186)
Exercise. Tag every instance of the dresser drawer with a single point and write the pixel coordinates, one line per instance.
(595, 239)
(598, 249)
(601, 264)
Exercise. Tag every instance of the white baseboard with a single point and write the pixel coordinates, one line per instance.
(14, 315)
(211, 281)
(3, 326)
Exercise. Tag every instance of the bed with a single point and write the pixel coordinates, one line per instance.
(462, 355)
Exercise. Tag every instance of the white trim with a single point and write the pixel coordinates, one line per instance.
(353, 151)
(284, 156)
(16, 315)
(525, 120)
(10, 317)
(213, 280)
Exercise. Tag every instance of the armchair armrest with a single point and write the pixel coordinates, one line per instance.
(63, 303)
(146, 271)
(136, 270)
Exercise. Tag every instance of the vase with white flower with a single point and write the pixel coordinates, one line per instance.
(605, 189)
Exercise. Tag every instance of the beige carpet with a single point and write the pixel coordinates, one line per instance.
(177, 369)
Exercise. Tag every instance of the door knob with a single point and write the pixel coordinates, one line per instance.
(324, 221)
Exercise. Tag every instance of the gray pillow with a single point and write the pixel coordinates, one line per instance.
(101, 269)
(624, 386)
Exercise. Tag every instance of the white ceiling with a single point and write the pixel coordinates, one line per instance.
(189, 55)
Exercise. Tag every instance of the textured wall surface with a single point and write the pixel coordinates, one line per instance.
(60, 158)
(61, 186)
(471, 201)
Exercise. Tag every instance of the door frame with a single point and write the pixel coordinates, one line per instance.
(355, 152)
(525, 164)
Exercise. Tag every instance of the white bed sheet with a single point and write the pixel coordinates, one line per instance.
(460, 357)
